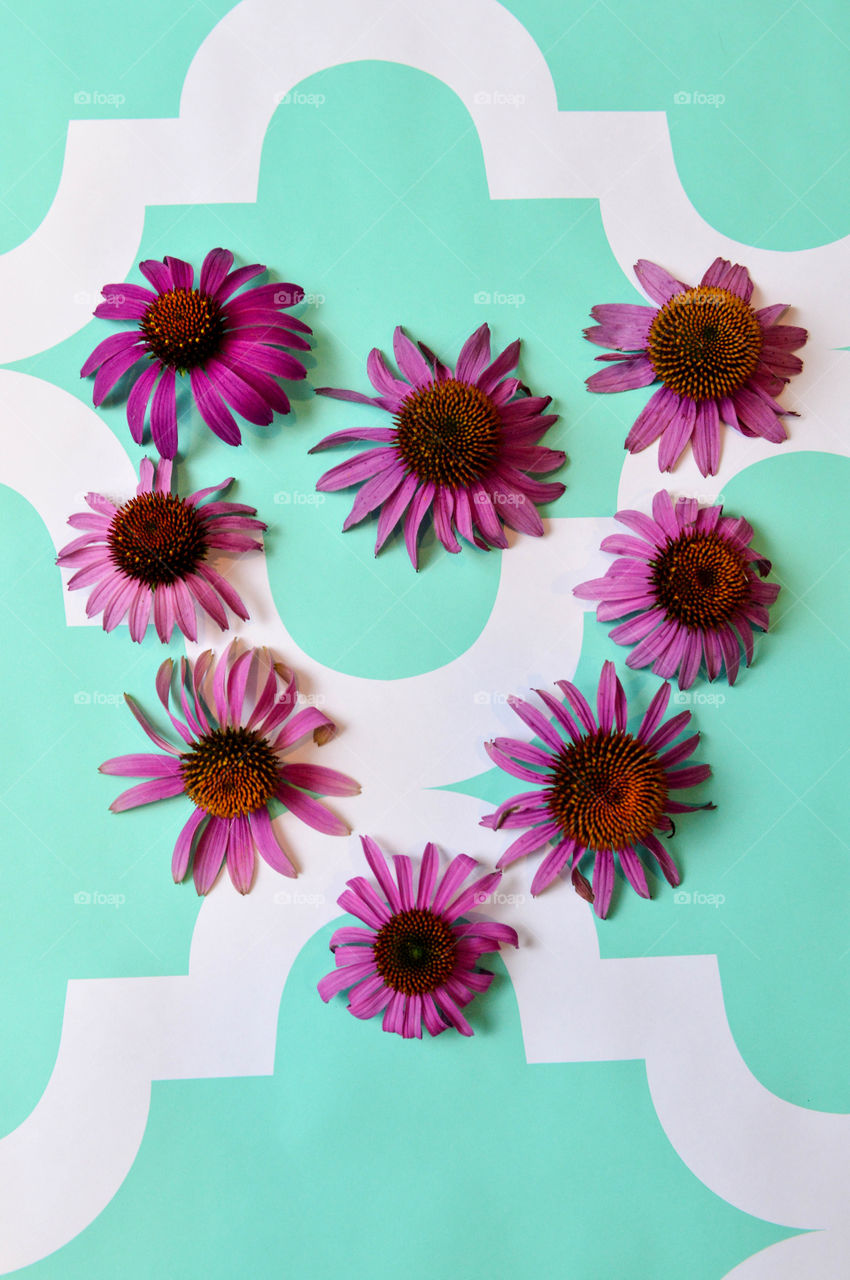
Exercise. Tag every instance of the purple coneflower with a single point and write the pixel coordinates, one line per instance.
(229, 346)
(602, 790)
(149, 556)
(692, 581)
(414, 961)
(718, 360)
(231, 765)
(461, 446)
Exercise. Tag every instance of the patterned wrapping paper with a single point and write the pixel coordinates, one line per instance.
(660, 1093)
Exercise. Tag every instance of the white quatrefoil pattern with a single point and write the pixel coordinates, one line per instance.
(416, 668)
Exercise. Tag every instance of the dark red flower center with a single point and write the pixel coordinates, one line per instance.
(705, 343)
(183, 328)
(701, 580)
(415, 952)
(157, 538)
(449, 433)
(230, 771)
(608, 791)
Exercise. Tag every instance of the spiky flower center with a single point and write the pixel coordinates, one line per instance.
(415, 951)
(157, 538)
(701, 580)
(183, 328)
(449, 433)
(230, 771)
(705, 343)
(608, 790)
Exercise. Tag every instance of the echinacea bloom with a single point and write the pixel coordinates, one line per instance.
(598, 788)
(719, 361)
(228, 345)
(691, 579)
(461, 446)
(150, 555)
(415, 961)
(236, 731)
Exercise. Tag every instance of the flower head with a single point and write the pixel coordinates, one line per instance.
(462, 445)
(719, 360)
(693, 583)
(599, 788)
(228, 345)
(414, 961)
(236, 731)
(151, 555)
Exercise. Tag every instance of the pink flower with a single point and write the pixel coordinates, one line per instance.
(414, 961)
(232, 765)
(229, 346)
(598, 788)
(151, 555)
(718, 360)
(694, 585)
(462, 445)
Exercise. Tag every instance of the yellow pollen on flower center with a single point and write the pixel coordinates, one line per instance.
(183, 328)
(607, 791)
(705, 343)
(230, 771)
(449, 433)
(701, 580)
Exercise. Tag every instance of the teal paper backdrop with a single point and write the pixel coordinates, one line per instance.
(363, 1155)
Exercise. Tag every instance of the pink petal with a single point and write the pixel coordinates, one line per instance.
(657, 282)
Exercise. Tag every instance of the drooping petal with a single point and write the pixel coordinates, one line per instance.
(240, 854)
(210, 854)
(147, 792)
(267, 843)
(603, 882)
(552, 865)
(624, 375)
(183, 847)
(311, 811)
(164, 414)
(657, 282)
(315, 777)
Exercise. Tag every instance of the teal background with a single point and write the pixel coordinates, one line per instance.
(567, 1162)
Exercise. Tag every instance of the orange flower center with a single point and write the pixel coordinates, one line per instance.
(449, 433)
(701, 580)
(705, 343)
(230, 771)
(608, 791)
(183, 328)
